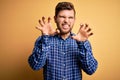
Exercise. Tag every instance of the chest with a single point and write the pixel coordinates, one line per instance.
(63, 50)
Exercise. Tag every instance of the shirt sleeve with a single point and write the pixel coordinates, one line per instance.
(88, 62)
(38, 57)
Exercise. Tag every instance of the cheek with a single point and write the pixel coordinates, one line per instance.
(72, 22)
(59, 22)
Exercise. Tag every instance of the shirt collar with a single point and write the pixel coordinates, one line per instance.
(71, 34)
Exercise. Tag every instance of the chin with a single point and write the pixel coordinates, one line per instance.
(65, 32)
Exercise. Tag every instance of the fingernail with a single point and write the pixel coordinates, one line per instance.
(43, 17)
(81, 24)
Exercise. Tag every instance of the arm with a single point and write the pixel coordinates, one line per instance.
(88, 62)
(38, 57)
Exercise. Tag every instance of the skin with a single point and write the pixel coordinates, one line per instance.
(64, 21)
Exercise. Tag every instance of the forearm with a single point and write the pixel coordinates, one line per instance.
(38, 57)
(88, 62)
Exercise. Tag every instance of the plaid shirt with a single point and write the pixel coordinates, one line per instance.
(62, 59)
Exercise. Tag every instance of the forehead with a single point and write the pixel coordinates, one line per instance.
(66, 13)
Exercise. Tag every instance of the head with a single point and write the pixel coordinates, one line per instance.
(64, 17)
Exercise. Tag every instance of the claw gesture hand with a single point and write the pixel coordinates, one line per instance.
(46, 27)
(83, 34)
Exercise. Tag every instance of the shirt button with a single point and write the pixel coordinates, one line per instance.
(64, 78)
(63, 53)
(64, 65)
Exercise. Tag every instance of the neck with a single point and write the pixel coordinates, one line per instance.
(65, 36)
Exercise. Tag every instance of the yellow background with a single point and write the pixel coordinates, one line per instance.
(18, 19)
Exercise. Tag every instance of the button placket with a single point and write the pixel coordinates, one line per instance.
(63, 53)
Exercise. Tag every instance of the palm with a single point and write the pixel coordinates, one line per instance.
(83, 33)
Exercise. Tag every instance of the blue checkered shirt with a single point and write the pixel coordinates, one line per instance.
(62, 59)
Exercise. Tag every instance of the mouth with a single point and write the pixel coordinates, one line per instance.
(65, 26)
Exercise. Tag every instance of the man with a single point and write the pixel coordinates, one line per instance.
(60, 53)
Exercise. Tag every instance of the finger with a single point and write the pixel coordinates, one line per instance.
(43, 19)
(41, 23)
(49, 19)
(81, 26)
(88, 30)
(90, 34)
(86, 25)
(39, 28)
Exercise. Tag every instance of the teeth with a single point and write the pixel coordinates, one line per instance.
(65, 26)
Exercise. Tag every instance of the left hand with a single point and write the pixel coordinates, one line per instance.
(84, 33)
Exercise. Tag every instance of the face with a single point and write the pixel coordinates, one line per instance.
(65, 21)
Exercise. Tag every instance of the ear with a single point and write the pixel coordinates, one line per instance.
(55, 19)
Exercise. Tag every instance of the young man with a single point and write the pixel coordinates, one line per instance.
(60, 53)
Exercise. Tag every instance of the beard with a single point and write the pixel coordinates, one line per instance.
(63, 30)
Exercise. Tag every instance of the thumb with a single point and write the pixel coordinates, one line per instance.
(56, 32)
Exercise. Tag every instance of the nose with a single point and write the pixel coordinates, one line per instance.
(66, 20)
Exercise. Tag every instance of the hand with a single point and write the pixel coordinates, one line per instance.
(83, 34)
(46, 27)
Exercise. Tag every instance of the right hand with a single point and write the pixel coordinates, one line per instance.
(46, 27)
